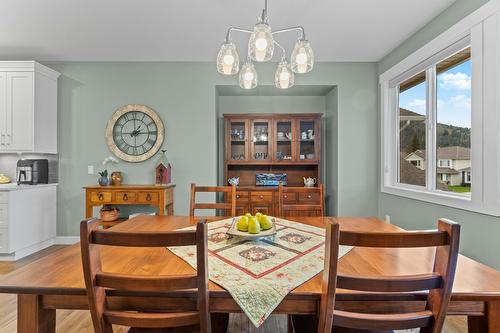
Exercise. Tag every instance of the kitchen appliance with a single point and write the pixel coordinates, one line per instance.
(270, 179)
(32, 172)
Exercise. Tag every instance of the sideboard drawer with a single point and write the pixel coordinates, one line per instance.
(148, 197)
(4, 240)
(4, 197)
(125, 196)
(101, 197)
(4, 215)
(241, 196)
(290, 197)
(309, 197)
(262, 197)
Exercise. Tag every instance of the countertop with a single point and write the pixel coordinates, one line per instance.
(15, 187)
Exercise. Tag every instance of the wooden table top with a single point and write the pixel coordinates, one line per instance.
(60, 273)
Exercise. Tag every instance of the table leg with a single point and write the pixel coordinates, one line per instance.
(89, 211)
(490, 322)
(32, 318)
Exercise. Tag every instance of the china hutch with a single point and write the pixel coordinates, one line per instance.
(276, 144)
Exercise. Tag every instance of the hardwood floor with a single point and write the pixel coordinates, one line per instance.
(80, 322)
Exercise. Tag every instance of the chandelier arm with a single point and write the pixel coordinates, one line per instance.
(231, 29)
(303, 32)
(283, 52)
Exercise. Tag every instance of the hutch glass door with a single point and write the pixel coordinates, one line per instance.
(238, 149)
(307, 140)
(260, 140)
(283, 132)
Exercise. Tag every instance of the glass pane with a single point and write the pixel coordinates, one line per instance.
(412, 125)
(453, 131)
(284, 140)
(238, 136)
(261, 140)
(306, 140)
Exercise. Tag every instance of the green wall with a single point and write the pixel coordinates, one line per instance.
(185, 96)
(479, 232)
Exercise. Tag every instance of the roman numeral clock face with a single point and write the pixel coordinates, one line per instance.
(134, 133)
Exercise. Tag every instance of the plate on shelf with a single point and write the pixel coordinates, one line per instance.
(233, 231)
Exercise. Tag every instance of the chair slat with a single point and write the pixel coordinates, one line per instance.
(202, 205)
(146, 283)
(404, 283)
(228, 191)
(152, 320)
(365, 321)
(143, 239)
(394, 240)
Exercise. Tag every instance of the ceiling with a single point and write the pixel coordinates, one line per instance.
(192, 30)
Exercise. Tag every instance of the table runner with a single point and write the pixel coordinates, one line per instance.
(259, 274)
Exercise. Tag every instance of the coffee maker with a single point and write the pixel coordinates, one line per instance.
(33, 172)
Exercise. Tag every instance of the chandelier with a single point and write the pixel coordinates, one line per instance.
(261, 46)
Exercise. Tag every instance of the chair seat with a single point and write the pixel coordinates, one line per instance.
(370, 322)
(187, 329)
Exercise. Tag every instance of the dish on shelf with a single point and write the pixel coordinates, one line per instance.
(4, 179)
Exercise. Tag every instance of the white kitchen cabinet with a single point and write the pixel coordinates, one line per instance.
(28, 107)
(27, 220)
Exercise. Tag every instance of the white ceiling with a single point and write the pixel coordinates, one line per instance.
(192, 30)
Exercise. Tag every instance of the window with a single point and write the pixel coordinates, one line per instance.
(440, 118)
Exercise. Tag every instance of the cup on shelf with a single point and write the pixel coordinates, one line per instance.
(303, 136)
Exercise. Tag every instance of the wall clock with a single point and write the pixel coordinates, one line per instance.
(135, 133)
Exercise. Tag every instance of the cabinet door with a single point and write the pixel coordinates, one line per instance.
(20, 111)
(260, 150)
(307, 132)
(3, 111)
(262, 208)
(237, 140)
(284, 145)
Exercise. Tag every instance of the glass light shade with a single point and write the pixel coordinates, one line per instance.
(248, 76)
(228, 61)
(261, 43)
(284, 77)
(302, 59)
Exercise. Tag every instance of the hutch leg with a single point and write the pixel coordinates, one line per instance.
(490, 322)
(32, 318)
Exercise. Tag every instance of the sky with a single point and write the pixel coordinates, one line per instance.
(453, 96)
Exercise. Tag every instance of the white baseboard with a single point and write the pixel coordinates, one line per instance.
(66, 240)
(27, 250)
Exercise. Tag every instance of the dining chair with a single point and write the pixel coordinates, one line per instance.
(439, 282)
(301, 201)
(97, 281)
(228, 207)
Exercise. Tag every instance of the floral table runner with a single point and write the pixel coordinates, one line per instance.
(259, 274)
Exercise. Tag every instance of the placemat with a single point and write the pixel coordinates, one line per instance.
(259, 274)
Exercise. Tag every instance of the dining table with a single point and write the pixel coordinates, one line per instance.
(56, 281)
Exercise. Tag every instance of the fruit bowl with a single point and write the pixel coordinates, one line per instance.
(233, 231)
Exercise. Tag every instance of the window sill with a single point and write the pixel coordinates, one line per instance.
(441, 198)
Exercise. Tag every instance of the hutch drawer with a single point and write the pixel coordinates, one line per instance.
(309, 197)
(288, 197)
(125, 196)
(264, 196)
(242, 196)
(101, 196)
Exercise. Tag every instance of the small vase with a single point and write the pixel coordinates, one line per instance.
(116, 178)
(104, 181)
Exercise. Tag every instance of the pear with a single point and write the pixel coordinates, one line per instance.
(253, 226)
(242, 224)
(266, 222)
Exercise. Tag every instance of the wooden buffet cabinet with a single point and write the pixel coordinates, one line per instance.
(270, 143)
(161, 196)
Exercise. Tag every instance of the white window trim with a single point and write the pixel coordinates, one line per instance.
(483, 27)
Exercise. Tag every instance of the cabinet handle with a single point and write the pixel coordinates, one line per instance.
(100, 197)
(237, 196)
(309, 196)
(286, 196)
(261, 197)
(9, 139)
(125, 197)
(148, 197)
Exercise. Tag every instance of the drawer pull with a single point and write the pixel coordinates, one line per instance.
(286, 196)
(237, 196)
(261, 197)
(100, 197)
(148, 197)
(309, 196)
(125, 197)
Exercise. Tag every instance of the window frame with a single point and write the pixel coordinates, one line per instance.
(480, 30)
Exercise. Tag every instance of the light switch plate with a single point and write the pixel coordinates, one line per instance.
(90, 169)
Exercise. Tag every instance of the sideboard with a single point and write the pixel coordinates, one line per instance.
(161, 196)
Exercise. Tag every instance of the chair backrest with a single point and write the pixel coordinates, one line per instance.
(301, 201)
(97, 281)
(228, 191)
(439, 282)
